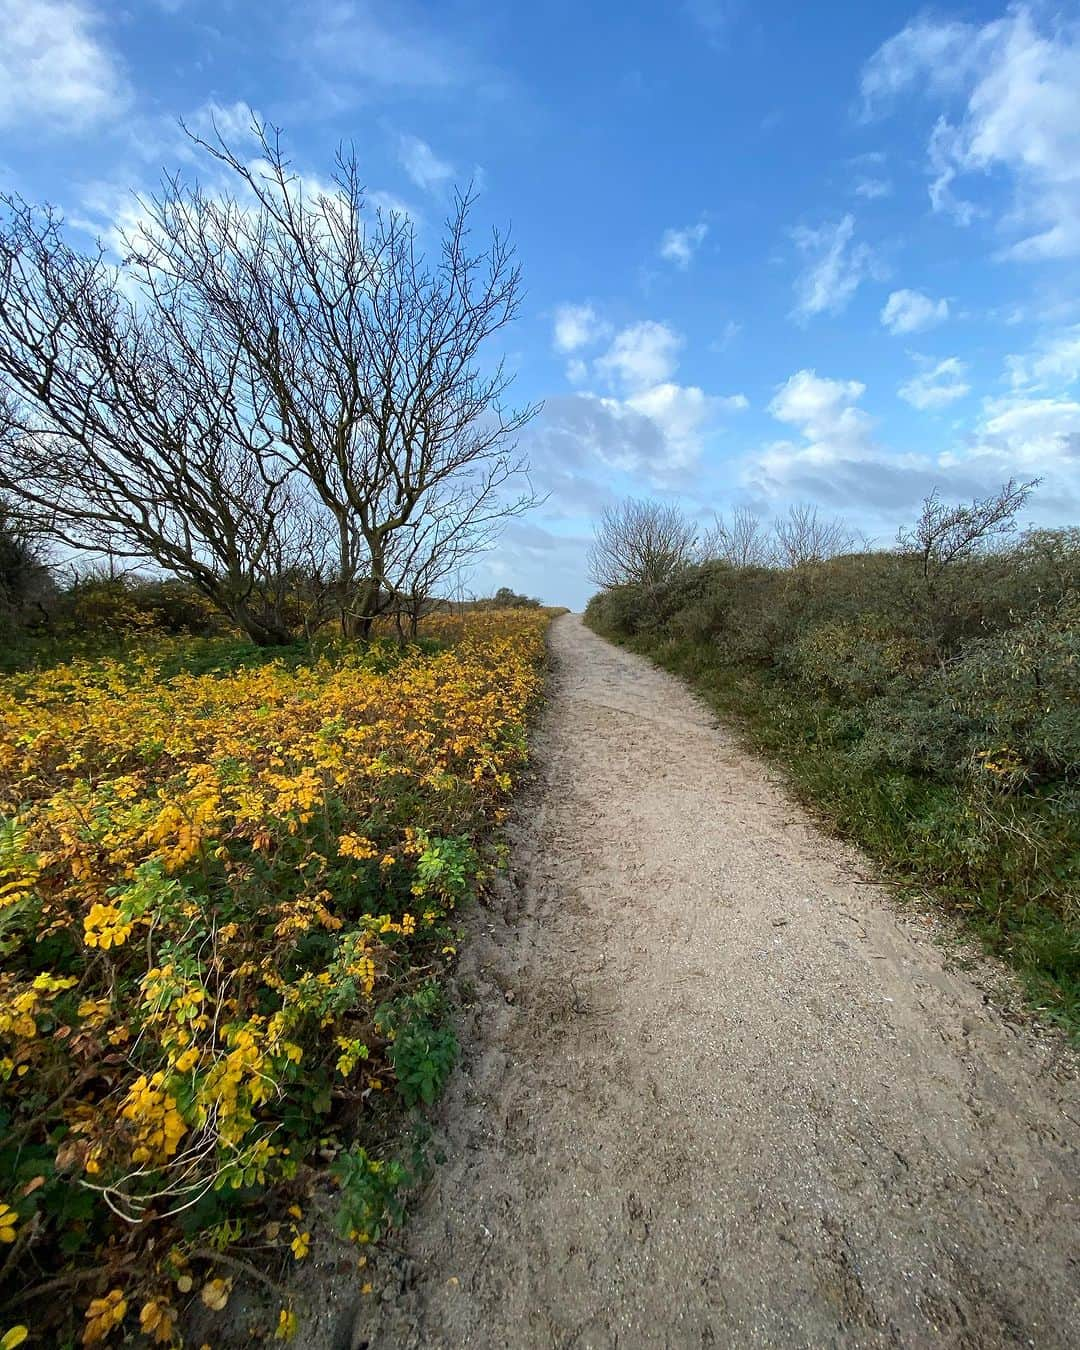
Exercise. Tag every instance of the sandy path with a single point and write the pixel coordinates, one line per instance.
(714, 1092)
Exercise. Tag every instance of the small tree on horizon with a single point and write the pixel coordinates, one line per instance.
(946, 534)
(741, 541)
(640, 542)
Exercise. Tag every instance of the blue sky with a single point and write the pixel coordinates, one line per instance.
(774, 252)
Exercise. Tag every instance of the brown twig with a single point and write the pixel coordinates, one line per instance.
(68, 1281)
(237, 1263)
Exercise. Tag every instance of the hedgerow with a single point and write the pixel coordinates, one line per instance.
(225, 903)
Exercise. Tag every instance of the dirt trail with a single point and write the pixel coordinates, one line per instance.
(714, 1090)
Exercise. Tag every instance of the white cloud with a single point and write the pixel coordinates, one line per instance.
(113, 214)
(54, 69)
(681, 412)
(836, 267)
(824, 412)
(933, 52)
(421, 163)
(680, 246)
(1055, 362)
(117, 214)
(1019, 89)
(232, 121)
(645, 423)
(656, 433)
(936, 386)
(911, 312)
(944, 151)
(579, 430)
(1034, 435)
(838, 463)
(642, 355)
(873, 188)
(389, 203)
(577, 371)
(577, 326)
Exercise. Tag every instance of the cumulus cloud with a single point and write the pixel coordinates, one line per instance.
(644, 423)
(55, 70)
(680, 246)
(641, 355)
(824, 412)
(835, 268)
(577, 326)
(587, 429)
(1036, 435)
(936, 386)
(117, 214)
(1054, 363)
(683, 413)
(421, 163)
(911, 312)
(838, 462)
(654, 434)
(1016, 89)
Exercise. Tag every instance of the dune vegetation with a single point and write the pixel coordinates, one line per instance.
(228, 885)
(925, 698)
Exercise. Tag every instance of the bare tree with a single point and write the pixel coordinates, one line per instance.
(275, 397)
(802, 536)
(946, 534)
(126, 437)
(360, 360)
(742, 542)
(432, 551)
(640, 542)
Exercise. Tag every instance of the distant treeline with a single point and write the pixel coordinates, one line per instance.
(926, 696)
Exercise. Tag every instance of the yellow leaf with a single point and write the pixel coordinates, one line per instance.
(286, 1327)
(215, 1293)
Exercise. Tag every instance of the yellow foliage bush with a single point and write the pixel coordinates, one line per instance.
(208, 884)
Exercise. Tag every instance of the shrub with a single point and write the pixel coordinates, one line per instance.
(224, 907)
(505, 598)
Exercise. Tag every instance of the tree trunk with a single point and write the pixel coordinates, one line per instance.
(263, 632)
